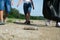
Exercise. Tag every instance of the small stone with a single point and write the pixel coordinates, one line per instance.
(30, 28)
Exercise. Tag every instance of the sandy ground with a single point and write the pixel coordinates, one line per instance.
(15, 31)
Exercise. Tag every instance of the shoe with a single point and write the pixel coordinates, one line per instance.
(2, 23)
(57, 24)
(28, 22)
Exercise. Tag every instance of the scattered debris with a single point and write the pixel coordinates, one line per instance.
(30, 28)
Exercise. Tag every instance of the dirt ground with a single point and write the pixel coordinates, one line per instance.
(15, 31)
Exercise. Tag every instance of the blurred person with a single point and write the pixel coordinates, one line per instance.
(5, 5)
(27, 5)
(51, 10)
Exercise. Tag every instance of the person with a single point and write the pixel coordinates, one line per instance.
(27, 5)
(51, 10)
(5, 5)
(58, 8)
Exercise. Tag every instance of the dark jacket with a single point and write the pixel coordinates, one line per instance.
(51, 9)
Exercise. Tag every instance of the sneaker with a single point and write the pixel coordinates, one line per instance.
(2, 23)
(57, 24)
(28, 22)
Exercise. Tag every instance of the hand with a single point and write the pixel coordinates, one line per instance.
(12, 3)
(33, 8)
(17, 5)
(19, 2)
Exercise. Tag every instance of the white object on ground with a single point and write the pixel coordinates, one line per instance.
(47, 23)
(59, 23)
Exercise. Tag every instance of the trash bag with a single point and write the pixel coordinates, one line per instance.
(51, 9)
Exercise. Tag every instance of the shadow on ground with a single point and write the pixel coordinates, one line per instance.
(40, 25)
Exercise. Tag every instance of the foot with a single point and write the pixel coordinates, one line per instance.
(2, 23)
(58, 24)
(28, 22)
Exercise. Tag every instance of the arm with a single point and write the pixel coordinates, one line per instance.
(19, 2)
(12, 2)
(32, 4)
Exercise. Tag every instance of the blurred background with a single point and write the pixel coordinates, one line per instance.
(17, 12)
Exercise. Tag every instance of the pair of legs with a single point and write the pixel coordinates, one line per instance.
(27, 18)
(5, 5)
(27, 11)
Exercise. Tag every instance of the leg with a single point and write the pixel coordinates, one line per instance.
(1, 11)
(28, 18)
(7, 9)
(1, 16)
(5, 16)
(25, 18)
(25, 12)
(28, 15)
